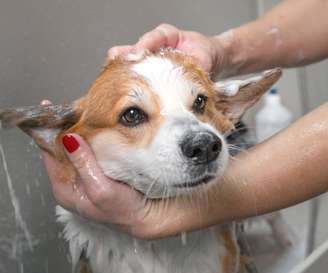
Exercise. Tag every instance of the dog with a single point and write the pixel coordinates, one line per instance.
(157, 122)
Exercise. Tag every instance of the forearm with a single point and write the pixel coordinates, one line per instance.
(293, 33)
(289, 168)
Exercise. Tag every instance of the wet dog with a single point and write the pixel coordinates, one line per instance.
(157, 122)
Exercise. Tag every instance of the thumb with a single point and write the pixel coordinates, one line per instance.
(82, 157)
(102, 191)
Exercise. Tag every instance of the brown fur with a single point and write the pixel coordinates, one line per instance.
(83, 266)
(231, 261)
(85, 269)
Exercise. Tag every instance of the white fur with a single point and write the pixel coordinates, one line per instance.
(168, 82)
(112, 251)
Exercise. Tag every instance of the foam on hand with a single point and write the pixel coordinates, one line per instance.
(229, 88)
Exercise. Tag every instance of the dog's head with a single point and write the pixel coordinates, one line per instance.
(154, 121)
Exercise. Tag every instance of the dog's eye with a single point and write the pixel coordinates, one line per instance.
(133, 116)
(199, 104)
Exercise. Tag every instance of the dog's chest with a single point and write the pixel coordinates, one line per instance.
(110, 250)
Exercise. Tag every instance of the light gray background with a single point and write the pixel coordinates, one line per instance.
(54, 49)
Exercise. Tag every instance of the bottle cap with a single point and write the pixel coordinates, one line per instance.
(273, 91)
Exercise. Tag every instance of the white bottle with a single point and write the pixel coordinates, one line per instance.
(272, 117)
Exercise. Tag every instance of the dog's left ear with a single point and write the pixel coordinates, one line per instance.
(236, 96)
(42, 123)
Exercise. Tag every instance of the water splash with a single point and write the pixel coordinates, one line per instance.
(43, 201)
(15, 203)
(21, 268)
(135, 246)
(184, 238)
(46, 265)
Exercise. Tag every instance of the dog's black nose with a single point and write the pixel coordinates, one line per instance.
(201, 147)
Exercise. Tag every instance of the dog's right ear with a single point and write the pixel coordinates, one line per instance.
(234, 97)
(42, 123)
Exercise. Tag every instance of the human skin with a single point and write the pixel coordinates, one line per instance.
(294, 33)
(285, 170)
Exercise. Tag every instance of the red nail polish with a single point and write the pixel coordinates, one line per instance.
(70, 143)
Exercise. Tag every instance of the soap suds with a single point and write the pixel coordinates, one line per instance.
(227, 36)
(135, 246)
(229, 88)
(274, 31)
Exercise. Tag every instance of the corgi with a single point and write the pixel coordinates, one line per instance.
(157, 122)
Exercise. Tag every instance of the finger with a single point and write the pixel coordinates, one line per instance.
(171, 33)
(61, 189)
(118, 51)
(163, 36)
(98, 187)
(74, 199)
(71, 196)
(105, 193)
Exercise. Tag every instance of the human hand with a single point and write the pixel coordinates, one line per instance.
(92, 194)
(209, 52)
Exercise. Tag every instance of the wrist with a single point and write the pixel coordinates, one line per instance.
(239, 50)
(225, 61)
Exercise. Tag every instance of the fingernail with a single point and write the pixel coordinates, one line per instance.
(70, 143)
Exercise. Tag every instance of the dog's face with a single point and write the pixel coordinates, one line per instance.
(160, 131)
(155, 121)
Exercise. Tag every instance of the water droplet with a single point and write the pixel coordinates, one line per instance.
(43, 202)
(37, 183)
(28, 189)
(83, 197)
(74, 186)
(47, 266)
(184, 238)
(21, 268)
(135, 246)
